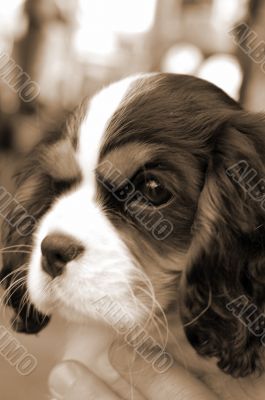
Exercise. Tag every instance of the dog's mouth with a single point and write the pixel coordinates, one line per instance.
(62, 299)
(81, 294)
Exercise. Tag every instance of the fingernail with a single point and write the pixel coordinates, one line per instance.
(61, 379)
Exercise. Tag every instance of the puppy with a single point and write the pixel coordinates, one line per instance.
(134, 203)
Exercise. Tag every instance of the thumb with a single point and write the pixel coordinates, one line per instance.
(71, 380)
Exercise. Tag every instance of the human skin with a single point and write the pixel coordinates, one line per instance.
(70, 380)
(91, 370)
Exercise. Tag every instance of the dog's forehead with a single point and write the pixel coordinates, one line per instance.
(132, 118)
(101, 109)
(144, 110)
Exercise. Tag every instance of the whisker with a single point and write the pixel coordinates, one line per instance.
(155, 319)
(152, 294)
(13, 288)
(16, 245)
(15, 271)
(24, 300)
(202, 312)
(19, 284)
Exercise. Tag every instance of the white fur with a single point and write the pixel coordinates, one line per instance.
(101, 109)
(106, 267)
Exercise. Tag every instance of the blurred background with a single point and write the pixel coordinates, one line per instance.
(71, 48)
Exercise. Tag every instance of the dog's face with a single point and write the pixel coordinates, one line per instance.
(123, 218)
(135, 194)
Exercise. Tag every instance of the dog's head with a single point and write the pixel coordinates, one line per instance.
(141, 190)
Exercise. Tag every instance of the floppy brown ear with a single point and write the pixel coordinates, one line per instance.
(26, 318)
(21, 212)
(227, 254)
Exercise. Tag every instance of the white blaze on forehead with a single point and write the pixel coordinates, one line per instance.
(101, 109)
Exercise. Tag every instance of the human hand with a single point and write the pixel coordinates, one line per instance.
(71, 380)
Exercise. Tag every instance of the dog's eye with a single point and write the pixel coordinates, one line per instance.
(152, 189)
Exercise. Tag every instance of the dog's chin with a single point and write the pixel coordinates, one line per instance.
(61, 296)
(101, 309)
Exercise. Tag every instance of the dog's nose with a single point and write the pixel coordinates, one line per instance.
(57, 250)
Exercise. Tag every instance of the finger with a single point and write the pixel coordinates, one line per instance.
(103, 369)
(96, 357)
(71, 380)
(176, 383)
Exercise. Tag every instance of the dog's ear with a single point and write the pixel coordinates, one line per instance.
(20, 213)
(226, 260)
(26, 318)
